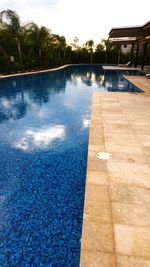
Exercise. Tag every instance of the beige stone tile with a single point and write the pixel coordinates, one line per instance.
(97, 165)
(96, 110)
(96, 99)
(110, 104)
(93, 149)
(113, 116)
(96, 115)
(109, 122)
(109, 100)
(132, 240)
(129, 261)
(142, 124)
(146, 151)
(118, 126)
(141, 130)
(131, 214)
(96, 118)
(112, 110)
(117, 129)
(96, 107)
(97, 237)
(97, 259)
(97, 178)
(99, 140)
(129, 173)
(138, 119)
(130, 149)
(96, 122)
(128, 157)
(92, 153)
(97, 193)
(129, 194)
(118, 137)
(96, 132)
(98, 212)
(121, 141)
(144, 139)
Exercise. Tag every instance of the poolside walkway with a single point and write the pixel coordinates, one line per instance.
(119, 68)
(116, 224)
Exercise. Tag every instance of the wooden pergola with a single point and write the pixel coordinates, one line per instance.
(139, 35)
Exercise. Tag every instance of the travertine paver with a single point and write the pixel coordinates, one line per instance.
(119, 68)
(128, 261)
(98, 259)
(132, 240)
(98, 237)
(116, 225)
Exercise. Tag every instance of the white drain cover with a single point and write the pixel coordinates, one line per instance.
(103, 155)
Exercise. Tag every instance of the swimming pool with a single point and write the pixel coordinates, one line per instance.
(44, 126)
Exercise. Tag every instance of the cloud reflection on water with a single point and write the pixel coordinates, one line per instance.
(40, 138)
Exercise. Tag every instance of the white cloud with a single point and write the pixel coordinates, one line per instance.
(86, 122)
(40, 138)
(85, 19)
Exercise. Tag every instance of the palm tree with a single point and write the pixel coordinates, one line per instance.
(11, 21)
(75, 44)
(89, 45)
(58, 45)
(62, 46)
(107, 47)
(38, 37)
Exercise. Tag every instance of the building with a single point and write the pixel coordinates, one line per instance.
(133, 39)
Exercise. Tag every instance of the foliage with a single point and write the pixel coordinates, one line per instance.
(37, 47)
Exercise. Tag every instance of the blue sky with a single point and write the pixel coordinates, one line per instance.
(86, 19)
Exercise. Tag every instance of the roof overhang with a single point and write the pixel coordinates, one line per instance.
(130, 35)
(125, 32)
(123, 40)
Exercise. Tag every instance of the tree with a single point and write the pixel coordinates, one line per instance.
(60, 46)
(10, 20)
(100, 47)
(75, 44)
(89, 45)
(37, 37)
(107, 47)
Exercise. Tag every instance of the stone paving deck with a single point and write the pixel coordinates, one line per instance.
(116, 223)
(119, 68)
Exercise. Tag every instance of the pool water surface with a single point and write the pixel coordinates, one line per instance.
(44, 128)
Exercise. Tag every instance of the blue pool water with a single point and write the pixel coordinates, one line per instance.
(44, 125)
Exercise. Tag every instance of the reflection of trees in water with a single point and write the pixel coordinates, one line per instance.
(19, 93)
(87, 74)
(12, 102)
(12, 109)
(93, 74)
(113, 81)
(16, 93)
(42, 86)
(110, 80)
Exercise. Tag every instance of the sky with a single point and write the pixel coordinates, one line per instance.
(85, 19)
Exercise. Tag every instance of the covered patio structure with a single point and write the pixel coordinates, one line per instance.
(136, 36)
